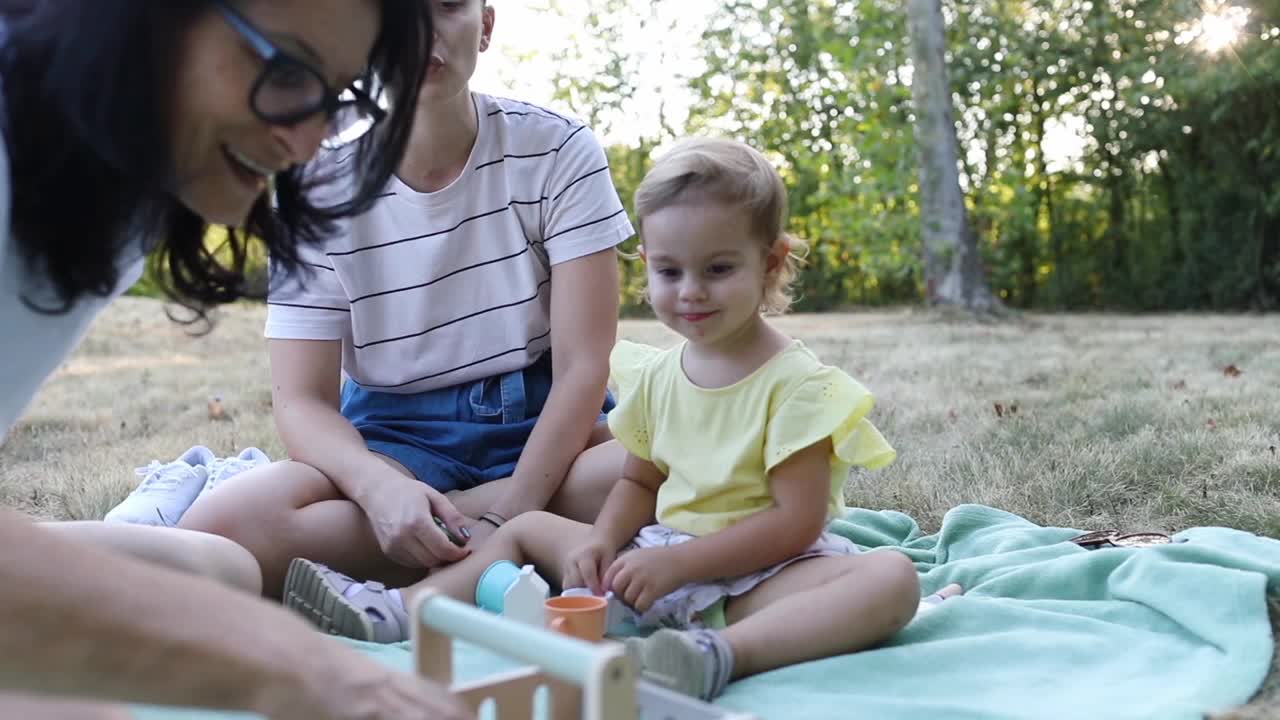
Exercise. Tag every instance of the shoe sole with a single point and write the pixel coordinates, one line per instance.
(308, 593)
(670, 662)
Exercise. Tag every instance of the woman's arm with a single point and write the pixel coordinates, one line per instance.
(800, 486)
(305, 385)
(584, 326)
(306, 377)
(79, 622)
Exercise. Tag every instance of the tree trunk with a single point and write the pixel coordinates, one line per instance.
(953, 268)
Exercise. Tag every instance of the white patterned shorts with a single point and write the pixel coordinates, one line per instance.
(702, 604)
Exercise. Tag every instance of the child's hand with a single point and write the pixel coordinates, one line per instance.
(585, 566)
(641, 577)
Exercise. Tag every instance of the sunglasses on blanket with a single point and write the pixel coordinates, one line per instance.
(1114, 538)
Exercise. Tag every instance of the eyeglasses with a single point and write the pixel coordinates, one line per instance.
(289, 90)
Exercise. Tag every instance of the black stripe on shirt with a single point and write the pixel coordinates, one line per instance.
(575, 182)
(308, 307)
(505, 158)
(556, 149)
(537, 113)
(442, 277)
(462, 367)
(343, 253)
(571, 136)
(550, 112)
(585, 224)
(536, 293)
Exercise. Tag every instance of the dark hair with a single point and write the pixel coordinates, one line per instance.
(85, 85)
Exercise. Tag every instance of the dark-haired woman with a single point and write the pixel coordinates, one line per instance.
(130, 127)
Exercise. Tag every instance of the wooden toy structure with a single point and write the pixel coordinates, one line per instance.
(583, 681)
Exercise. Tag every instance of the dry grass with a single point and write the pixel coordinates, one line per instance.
(1114, 421)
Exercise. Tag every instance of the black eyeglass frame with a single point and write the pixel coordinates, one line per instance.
(273, 57)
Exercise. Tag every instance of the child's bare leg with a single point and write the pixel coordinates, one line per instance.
(821, 607)
(538, 538)
(812, 609)
(369, 611)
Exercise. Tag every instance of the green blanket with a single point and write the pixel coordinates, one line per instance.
(1045, 630)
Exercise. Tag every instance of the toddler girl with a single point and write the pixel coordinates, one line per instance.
(739, 443)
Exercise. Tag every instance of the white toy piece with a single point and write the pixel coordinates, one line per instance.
(526, 598)
(584, 681)
(516, 592)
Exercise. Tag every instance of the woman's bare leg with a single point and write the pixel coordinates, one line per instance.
(188, 551)
(288, 509)
(581, 495)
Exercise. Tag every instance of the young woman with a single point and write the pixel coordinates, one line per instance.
(128, 128)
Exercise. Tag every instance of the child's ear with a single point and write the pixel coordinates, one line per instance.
(777, 256)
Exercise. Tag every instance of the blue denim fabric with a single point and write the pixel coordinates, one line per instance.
(458, 437)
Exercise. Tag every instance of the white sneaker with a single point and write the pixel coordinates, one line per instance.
(223, 468)
(166, 490)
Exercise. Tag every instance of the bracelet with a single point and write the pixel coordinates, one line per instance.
(490, 518)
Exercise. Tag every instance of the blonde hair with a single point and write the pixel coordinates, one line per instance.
(701, 170)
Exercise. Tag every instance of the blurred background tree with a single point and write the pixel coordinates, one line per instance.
(1112, 154)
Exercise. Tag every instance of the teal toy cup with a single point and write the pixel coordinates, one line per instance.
(494, 583)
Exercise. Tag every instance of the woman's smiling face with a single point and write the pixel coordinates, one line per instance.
(223, 153)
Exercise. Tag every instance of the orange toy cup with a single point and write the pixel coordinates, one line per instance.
(581, 616)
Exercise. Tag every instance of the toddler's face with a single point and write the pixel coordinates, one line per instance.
(706, 270)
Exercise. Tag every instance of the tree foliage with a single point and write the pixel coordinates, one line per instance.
(1171, 199)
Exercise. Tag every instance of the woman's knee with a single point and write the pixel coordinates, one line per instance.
(259, 501)
(589, 481)
(228, 562)
(532, 531)
(195, 553)
(527, 524)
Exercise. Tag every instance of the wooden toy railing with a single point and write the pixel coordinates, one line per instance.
(583, 681)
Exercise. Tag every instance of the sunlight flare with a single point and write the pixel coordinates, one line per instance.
(1222, 27)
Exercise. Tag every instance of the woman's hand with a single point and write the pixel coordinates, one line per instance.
(354, 687)
(402, 512)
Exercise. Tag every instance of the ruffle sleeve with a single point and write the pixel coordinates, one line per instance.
(831, 404)
(629, 419)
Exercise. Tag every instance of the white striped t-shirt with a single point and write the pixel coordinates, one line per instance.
(429, 290)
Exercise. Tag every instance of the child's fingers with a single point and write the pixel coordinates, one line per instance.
(645, 598)
(609, 581)
(602, 565)
(619, 581)
(590, 574)
(572, 578)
